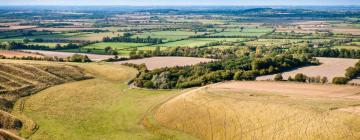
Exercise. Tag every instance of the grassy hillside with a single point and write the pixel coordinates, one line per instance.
(100, 108)
(265, 110)
(22, 78)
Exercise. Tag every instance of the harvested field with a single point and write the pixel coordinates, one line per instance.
(161, 62)
(66, 29)
(347, 31)
(330, 67)
(264, 110)
(93, 57)
(10, 54)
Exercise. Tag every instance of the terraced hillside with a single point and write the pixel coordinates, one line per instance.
(23, 78)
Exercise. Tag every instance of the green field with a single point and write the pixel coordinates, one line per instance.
(51, 45)
(114, 45)
(106, 109)
(50, 36)
(196, 42)
(245, 32)
(168, 35)
(348, 47)
(272, 42)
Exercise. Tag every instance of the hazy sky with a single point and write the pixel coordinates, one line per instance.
(180, 2)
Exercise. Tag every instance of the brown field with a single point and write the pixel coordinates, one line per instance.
(93, 57)
(161, 62)
(65, 29)
(330, 67)
(290, 29)
(10, 54)
(347, 31)
(16, 27)
(265, 110)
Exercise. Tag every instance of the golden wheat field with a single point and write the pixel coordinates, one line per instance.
(265, 110)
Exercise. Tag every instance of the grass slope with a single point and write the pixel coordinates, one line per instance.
(242, 110)
(100, 108)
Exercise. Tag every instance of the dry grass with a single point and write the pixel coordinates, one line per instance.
(93, 57)
(11, 54)
(330, 67)
(161, 62)
(23, 78)
(347, 31)
(100, 108)
(6, 135)
(240, 110)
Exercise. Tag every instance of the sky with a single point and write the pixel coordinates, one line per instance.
(180, 2)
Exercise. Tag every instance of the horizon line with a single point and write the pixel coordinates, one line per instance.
(212, 5)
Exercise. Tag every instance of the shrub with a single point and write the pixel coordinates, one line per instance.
(324, 80)
(300, 77)
(149, 84)
(351, 72)
(79, 58)
(340, 80)
(278, 77)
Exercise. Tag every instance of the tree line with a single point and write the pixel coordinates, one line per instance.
(127, 38)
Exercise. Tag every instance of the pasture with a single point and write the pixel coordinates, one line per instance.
(51, 45)
(197, 42)
(114, 45)
(107, 109)
(264, 110)
(23, 78)
(248, 32)
(168, 35)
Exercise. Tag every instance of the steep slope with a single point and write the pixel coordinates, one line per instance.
(23, 78)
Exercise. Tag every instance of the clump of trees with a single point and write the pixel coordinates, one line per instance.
(243, 68)
(127, 38)
(300, 77)
(78, 58)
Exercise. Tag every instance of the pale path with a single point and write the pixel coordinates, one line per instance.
(161, 62)
(329, 67)
(93, 57)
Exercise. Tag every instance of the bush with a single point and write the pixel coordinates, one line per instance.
(340, 80)
(351, 72)
(149, 84)
(278, 77)
(300, 77)
(324, 80)
(79, 58)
